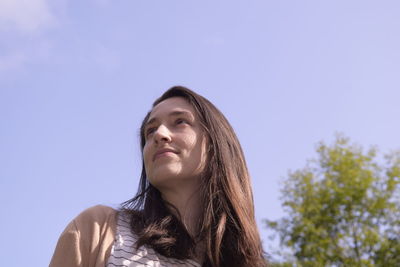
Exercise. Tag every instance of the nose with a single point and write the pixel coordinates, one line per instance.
(162, 134)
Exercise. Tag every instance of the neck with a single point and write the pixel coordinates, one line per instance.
(187, 204)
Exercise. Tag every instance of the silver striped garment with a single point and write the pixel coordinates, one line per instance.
(124, 252)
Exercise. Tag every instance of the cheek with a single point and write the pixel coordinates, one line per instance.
(198, 147)
(199, 156)
(192, 143)
(146, 156)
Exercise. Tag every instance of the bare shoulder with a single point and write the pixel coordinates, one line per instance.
(87, 238)
(97, 214)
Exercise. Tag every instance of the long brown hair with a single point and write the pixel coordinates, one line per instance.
(228, 228)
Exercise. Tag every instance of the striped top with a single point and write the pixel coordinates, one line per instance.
(124, 252)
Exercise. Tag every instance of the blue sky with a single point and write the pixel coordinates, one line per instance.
(77, 77)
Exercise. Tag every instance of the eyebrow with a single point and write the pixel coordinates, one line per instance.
(173, 113)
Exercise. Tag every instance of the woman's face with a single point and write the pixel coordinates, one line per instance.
(174, 152)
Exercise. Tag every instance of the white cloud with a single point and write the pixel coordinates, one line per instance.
(27, 16)
(23, 25)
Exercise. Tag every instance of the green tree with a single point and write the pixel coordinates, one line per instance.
(342, 209)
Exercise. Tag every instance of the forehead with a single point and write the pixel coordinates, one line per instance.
(169, 106)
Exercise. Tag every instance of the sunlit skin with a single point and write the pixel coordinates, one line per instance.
(174, 155)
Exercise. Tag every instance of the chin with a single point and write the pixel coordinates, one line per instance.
(162, 176)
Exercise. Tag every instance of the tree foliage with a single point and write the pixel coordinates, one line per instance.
(342, 209)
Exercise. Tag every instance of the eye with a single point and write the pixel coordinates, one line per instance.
(150, 131)
(181, 121)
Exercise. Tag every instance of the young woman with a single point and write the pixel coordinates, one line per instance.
(194, 206)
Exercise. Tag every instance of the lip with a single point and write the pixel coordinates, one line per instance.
(162, 151)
